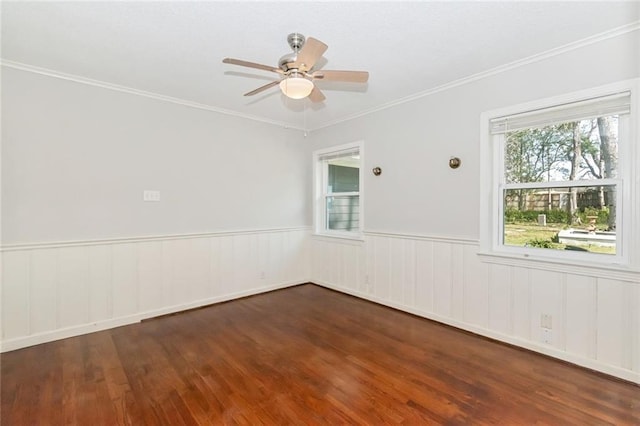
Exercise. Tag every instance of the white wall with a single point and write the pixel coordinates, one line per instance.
(76, 159)
(82, 251)
(422, 221)
(413, 142)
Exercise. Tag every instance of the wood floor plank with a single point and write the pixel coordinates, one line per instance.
(303, 355)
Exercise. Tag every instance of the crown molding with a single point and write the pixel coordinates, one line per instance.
(124, 89)
(615, 32)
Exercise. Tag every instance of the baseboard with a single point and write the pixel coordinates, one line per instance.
(218, 299)
(591, 364)
(78, 330)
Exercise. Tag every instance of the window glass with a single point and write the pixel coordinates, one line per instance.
(343, 212)
(560, 184)
(579, 150)
(339, 199)
(343, 178)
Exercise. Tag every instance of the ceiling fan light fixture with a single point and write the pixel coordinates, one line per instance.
(298, 70)
(296, 87)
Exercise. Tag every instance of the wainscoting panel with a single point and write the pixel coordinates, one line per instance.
(53, 291)
(612, 322)
(521, 317)
(581, 309)
(547, 292)
(457, 283)
(395, 277)
(424, 277)
(381, 267)
(99, 283)
(409, 272)
(72, 290)
(442, 279)
(42, 294)
(594, 319)
(124, 279)
(16, 315)
(475, 279)
(150, 277)
(500, 299)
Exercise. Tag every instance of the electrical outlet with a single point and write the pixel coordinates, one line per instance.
(546, 321)
(262, 275)
(547, 336)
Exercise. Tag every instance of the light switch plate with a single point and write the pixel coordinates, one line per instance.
(149, 195)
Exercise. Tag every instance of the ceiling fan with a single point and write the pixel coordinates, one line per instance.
(297, 70)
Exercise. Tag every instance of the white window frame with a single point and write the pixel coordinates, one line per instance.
(627, 255)
(320, 185)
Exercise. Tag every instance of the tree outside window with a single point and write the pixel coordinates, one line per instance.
(560, 177)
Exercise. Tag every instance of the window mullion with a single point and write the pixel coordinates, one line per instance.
(343, 194)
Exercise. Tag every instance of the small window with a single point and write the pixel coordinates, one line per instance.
(559, 176)
(338, 190)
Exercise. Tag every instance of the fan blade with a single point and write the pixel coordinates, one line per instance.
(309, 54)
(251, 65)
(316, 95)
(262, 88)
(348, 76)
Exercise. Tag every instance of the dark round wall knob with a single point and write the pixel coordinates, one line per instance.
(454, 162)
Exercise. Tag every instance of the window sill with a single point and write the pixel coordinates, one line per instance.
(356, 238)
(571, 266)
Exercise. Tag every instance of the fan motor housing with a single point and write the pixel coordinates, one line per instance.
(288, 59)
(296, 41)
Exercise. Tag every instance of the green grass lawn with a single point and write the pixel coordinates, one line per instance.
(519, 234)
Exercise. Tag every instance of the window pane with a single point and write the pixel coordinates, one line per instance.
(577, 150)
(344, 175)
(342, 212)
(573, 218)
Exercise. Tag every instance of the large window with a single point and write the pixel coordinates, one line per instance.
(338, 190)
(560, 173)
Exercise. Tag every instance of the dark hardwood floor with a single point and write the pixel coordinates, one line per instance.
(304, 355)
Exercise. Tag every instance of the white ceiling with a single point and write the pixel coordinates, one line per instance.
(175, 49)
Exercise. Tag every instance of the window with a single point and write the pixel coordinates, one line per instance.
(338, 195)
(560, 178)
